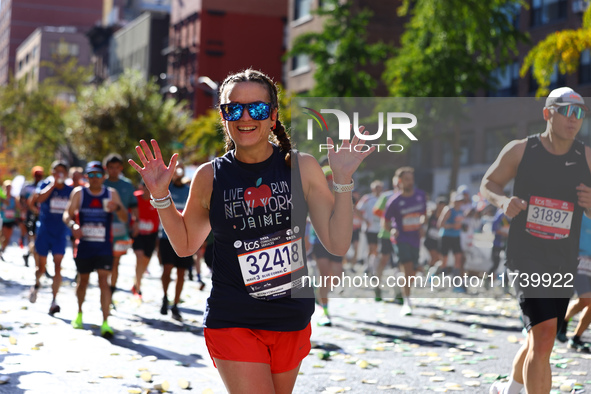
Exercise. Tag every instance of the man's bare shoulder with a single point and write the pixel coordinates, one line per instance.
(515, 148)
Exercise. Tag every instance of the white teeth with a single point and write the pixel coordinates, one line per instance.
(246, 128)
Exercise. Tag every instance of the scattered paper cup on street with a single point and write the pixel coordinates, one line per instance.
(184, 384)
(163, 386)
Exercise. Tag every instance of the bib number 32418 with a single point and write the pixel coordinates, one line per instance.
(271, 265)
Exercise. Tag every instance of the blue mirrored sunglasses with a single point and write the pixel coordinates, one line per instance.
(257, 110)
(94, 175)
(568, 110)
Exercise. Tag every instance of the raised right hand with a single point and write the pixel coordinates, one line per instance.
(156, 175)
(512, 206)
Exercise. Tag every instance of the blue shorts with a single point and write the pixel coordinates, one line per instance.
(47, 240)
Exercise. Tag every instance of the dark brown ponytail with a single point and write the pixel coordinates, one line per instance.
(283, 141)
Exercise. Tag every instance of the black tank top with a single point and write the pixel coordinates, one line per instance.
(545, 237)
(258, 218)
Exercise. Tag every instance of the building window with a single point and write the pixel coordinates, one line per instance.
(421, 155)
(513, 13)
(556, 80)
(466, 150)
(547, 11)
(64, 48)
(495, 140)
(585, 67)
(300, 63)
(301, 9)
(505, 80)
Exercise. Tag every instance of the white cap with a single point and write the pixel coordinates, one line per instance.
(463, 189)
(565, 96)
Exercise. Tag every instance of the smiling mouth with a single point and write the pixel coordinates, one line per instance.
(246, 129)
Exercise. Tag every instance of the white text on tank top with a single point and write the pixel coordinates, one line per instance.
(267, 263)
(94, 231)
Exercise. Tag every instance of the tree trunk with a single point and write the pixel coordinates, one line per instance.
(455, 160)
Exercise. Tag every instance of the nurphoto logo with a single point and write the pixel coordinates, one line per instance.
(392, 125)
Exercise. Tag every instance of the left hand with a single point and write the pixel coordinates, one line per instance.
(584, 196)
(112, 206)
(347, 159)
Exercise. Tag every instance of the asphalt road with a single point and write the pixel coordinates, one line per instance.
(448, 344)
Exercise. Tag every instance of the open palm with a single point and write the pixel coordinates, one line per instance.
(155, 173)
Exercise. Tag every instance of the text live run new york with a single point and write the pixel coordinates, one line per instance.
(274, 198)
(345, 131)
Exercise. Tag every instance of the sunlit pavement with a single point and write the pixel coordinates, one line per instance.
(448, 344)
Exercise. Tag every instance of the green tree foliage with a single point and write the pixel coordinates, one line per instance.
(562, 49)
(113, 117)
(450, 48)
(203, 138)
(341, 52)
(33, 122)
(66, 75)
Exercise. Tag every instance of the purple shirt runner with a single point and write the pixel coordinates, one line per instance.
(405, 214)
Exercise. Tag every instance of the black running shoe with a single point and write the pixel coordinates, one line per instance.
(164, 308)
(578, 345)
(176, 315)
(55, 308)
(561, 334)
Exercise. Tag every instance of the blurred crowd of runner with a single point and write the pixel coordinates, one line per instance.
(63, 206)
(461, 224)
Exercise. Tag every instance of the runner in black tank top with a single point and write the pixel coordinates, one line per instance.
(552, 188)
(257, 325)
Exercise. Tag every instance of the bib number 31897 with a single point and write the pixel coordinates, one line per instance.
(548, 218)
(271, 265)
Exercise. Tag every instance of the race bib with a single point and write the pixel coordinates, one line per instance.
(272, 265)
(122, 246)
(119, 229)
(548, 218)
(411, 222)
(584, 267)
(9, 214)
(58, 205)
(94, 232)
(146, 226)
